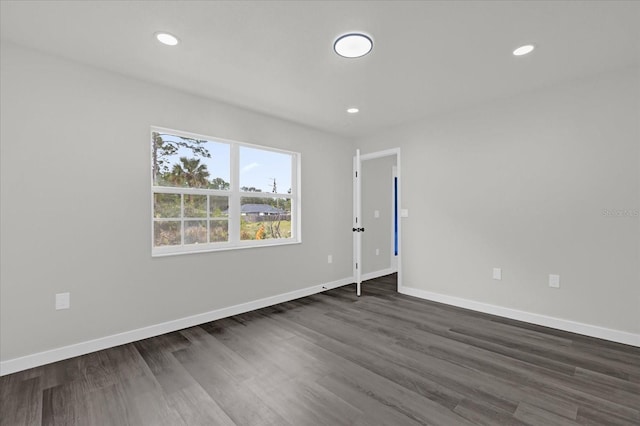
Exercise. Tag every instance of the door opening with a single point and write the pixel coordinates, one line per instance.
(376, 221)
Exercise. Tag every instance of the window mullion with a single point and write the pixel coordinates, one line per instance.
(182, 219)
(234, 196)
(208, 217)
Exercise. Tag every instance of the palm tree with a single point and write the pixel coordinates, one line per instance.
(219, 183)
(190, 173)
(165, 146)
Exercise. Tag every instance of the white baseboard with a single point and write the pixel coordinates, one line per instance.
(82, 348)
(65, 352)
(558, 323)
(376, 274)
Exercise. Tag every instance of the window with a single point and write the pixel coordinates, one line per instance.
(209, 194)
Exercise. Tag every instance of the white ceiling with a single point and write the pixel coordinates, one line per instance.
(276, 56)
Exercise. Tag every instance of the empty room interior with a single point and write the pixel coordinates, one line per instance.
(320, 213)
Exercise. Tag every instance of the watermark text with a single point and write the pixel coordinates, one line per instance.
(621, 212)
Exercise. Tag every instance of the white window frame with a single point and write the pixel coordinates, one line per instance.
(235, 194)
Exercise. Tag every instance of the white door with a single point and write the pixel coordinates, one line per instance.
(359, 220)
(357, 223)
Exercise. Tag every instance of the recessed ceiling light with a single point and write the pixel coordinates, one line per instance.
(168, 39)
(523, 50)
(353, 110)
(353, 45)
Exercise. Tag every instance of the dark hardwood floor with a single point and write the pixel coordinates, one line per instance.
(335, 359)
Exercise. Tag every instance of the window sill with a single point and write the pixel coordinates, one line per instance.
(208, 248)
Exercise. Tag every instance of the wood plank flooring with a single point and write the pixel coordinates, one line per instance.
(335, 359)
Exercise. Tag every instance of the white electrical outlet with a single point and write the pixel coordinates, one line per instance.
(554, 281)
(330, 259)
(404, 212)
(377, 252)
(63, 301)
(497, 273)
(376, 214)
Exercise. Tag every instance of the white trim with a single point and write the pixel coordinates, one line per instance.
(234, 195)
(166, 130)
(41, 358)
(398, 166)
(296, 203)
(376, 274)
(233, 230)
(357, 221)
(399, 194)
(379, 154)
(393, 261)
(195, 191)
(221, 246)
(544, 320)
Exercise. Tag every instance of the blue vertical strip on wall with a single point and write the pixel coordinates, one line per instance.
(395, 215)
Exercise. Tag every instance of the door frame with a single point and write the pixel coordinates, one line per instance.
(357, 212)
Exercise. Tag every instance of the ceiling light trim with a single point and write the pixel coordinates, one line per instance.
(353, 45)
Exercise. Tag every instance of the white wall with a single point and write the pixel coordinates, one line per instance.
(522, 184)
(76, 207)
(519, 184)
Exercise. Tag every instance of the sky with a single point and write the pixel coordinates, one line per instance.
(258, 167)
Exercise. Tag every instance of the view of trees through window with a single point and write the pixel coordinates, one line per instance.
(194, 192)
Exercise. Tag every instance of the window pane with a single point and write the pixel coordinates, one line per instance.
(218, 231)
(265, 218)
(218, 206)
(265, 171)
(193, 196)
(189, 162)
(195, 231)
(166, 205)
(166, 233)
(195, 205)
